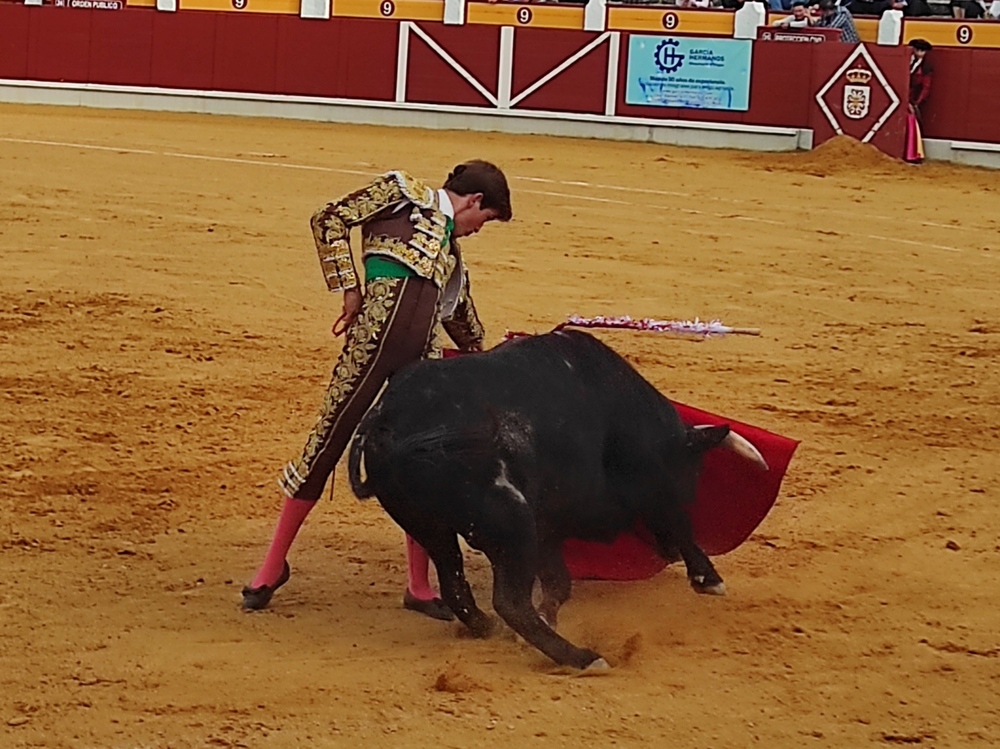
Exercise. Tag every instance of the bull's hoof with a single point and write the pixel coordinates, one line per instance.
(434, 608)
(255, 599)
(599, 666)
(716, 588)
(485, 627)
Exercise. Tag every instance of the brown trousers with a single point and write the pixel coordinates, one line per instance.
(392, 330)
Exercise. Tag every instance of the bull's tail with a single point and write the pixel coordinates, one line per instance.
(362, 488)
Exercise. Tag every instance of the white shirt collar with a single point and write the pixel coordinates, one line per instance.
(445, 202)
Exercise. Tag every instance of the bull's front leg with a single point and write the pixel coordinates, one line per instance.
(674, 535)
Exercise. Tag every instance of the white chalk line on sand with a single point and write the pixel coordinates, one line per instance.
(80, 145)
(543, 180)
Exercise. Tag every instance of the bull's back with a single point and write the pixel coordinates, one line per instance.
(559, 379)
(578, 403)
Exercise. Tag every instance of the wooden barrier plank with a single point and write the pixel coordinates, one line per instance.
(680, 22)
(398, 10)
(535, 16)
(184, 50)
(121, 48)
(277, 7)
(867, 29)
(14, 41)
(953, 33)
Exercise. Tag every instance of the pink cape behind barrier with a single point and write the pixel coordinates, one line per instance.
(733, 498)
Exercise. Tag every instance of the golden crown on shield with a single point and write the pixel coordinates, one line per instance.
(858, 75)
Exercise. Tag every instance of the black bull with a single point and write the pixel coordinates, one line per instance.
(541, 439)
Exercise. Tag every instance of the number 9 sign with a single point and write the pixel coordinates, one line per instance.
(240, 4)
(524, 15)
(387, 8)
(670, 21)
(964, 34)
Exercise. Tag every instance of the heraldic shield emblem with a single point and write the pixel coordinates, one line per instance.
(857, 93)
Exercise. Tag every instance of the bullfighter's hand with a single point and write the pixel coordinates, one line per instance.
(352, 306)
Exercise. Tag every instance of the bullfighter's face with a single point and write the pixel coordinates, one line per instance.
(470, 216)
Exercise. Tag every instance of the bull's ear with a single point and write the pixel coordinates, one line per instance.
(703, 438)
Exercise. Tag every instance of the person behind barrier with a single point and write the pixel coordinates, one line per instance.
(833, 16)
(414, 279)
(799, 18)
(920, 88)
(921, 74)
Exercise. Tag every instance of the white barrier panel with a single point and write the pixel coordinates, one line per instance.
(748, 19)
(167, 6)
(314, 9)
(595, 16)
(890, 28)
(454, 12)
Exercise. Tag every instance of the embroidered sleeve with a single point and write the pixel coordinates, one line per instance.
(463, 326)
(331, 225)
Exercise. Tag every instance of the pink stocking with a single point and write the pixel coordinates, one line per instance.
(417, 569)
(292, 516)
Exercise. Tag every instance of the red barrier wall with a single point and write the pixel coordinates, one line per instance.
(357, 59)
(963, 103)
(254, 53)
(579, 88)
(14, 24)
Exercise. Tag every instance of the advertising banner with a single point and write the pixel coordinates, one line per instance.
(689, 73)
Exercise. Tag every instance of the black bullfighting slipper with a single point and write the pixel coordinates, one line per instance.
(255, 599)
(434, 608)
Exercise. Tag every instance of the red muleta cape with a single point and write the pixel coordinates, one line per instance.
(733, 498)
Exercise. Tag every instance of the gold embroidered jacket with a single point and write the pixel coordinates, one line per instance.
(400, 218)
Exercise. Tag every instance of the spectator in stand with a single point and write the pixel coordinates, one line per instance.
(694, 3)
(967, 9)
(921, 75)
(799, 19)
(832, 16)
(909, 8)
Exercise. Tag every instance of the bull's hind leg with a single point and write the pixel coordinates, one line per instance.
(442, 547)
(555, 581)
(508, 537)
(441, 544)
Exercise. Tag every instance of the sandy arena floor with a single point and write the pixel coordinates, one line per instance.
(165, 342)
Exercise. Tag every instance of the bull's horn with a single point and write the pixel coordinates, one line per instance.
(742, 447)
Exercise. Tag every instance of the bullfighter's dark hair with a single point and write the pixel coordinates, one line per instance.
(482, 176)
(921, 44)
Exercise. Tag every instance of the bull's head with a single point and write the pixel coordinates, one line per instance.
(704, 437)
